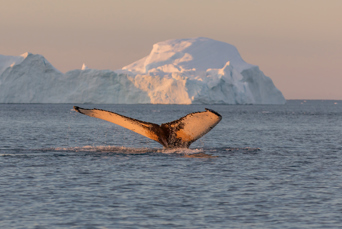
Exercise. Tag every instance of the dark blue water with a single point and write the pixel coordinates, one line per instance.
(273, 166)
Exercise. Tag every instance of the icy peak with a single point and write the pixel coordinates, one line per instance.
(192, 54)
(84, 67)
(26, 54)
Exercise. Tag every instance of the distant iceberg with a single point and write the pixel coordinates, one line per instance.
(182, 71)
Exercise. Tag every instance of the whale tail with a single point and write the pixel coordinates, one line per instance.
(176, 134)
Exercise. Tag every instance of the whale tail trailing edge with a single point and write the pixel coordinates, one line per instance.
(176, 134)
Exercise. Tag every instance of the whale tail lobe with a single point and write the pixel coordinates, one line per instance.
(176, 134)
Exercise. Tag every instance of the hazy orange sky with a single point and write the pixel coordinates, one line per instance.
(298, 43)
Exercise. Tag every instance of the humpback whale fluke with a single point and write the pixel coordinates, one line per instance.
(176, 134)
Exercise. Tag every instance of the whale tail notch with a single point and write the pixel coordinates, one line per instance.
(176, 134)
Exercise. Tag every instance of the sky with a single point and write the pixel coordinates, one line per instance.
(298, 43)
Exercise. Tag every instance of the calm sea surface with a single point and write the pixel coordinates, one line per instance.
(277, 166)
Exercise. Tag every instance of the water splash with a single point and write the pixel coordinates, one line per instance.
(196, 152)
(124, 150)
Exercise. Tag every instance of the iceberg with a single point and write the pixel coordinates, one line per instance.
(35, 80)
(180, 71)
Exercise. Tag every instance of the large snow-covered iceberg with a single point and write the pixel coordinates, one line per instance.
(181, 71)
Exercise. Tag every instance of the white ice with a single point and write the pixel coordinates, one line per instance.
(182, 71)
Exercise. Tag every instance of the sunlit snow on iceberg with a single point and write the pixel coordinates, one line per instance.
(181, 71)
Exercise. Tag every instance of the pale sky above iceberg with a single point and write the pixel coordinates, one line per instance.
(298, 43)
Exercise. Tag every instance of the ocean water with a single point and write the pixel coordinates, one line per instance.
(271, 166)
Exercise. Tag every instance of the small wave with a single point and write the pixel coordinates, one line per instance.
(242, 149)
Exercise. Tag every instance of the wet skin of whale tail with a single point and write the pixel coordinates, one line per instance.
(176, 134)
